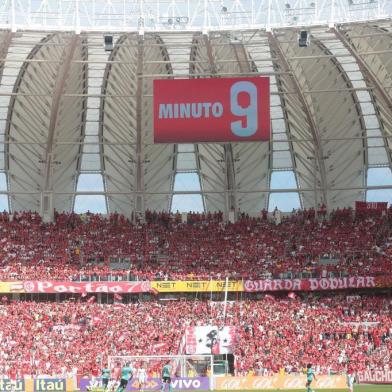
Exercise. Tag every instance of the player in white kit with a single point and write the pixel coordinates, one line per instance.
(142, 376)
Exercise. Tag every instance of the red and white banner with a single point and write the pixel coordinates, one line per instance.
(364, 205)
(209, 339)
(354, 282)
(86, 287)
(211, 110)
(375, 377)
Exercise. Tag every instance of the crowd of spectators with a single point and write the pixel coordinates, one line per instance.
(164, 247)
(334, 332)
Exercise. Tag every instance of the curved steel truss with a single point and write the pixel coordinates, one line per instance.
(69, 110)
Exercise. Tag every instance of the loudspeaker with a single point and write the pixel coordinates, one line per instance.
(303, 39)
(108, 41)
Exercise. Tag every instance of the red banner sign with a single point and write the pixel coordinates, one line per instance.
(211, 110)
(86, 287)
(354, 282)
(364, 205)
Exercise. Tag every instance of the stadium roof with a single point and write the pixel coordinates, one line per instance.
(76, 119)
(183, 15)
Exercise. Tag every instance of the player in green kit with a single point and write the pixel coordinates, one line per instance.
(126, 375)
(105, 376)
(166, 376)
(310, 376)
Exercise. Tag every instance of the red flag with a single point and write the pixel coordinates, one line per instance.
(215, 350)
(117, 297)
(91, 300)
(292, 295)
(154, 291)
(269, 296)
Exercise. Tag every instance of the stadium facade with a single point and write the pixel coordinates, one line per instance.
(76, 119)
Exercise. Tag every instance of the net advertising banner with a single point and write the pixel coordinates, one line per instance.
(211, 110)
(209, 339)
(172, 286)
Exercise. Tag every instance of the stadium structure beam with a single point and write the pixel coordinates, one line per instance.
(261, 190)
(295, 140)
(319, 157)
(230, 197)
(120, 96)
(139, 178)
(47, 188)
(180, 15)
(382, 96)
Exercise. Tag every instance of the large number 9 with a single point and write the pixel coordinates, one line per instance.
(250, 127)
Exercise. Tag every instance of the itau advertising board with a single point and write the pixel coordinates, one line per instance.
(211, 110)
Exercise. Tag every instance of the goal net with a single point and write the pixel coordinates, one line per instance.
(188, 372)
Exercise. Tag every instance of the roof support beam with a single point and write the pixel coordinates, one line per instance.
(319, 164)
(230, 186)
(139, 178)
(3, 53)
(47, 189)
(383, 98)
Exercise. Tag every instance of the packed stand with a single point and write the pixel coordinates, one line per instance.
(80, 247)
(335, 333)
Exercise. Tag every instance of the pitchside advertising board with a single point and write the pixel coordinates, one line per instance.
(155, 384)
(37, 385)
(211, 110)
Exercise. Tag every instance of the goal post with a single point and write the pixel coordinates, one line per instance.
(189, 372)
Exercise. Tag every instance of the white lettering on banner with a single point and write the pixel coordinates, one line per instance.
(42, 286)
(263, 383)
(293, 383)
(375, 376)
(296, 284)
(65, 287)
(277, 284)
(370, 281)
(185, 384)
(312, 284)
(232, 384)
(190, 110)
(341, 283)
(325, 383)
(249, 127)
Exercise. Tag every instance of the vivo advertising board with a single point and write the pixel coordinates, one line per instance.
(154, 384)
(211, 110)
